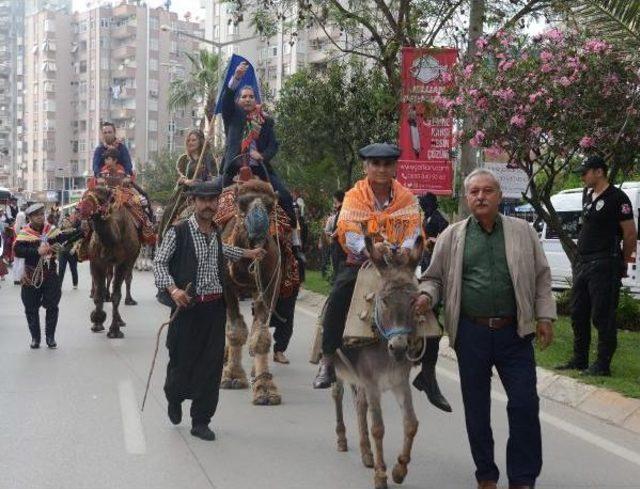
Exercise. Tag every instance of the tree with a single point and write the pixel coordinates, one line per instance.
(160, 176)
(324, 118)
(200, 85)
(547, 102)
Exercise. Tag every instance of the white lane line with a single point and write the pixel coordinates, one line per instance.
(131, 423)
(565, 426)
(554, 421)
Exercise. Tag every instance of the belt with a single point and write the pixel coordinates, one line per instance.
(207, 298)
(493, 323)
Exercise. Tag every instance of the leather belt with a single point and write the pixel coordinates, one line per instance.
(493, 323)
(199, 299)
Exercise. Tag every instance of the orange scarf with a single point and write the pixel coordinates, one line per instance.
(394, 224)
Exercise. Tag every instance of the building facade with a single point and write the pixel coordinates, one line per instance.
(109, 63)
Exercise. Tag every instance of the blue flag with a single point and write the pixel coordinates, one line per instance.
(250, 78)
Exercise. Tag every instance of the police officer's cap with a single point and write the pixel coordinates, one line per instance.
(206, 189)
(380, 151)
(591, 163)
(33, 208)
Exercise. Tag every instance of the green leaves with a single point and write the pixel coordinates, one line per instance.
(617, 21)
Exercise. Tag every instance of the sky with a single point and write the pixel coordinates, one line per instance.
(179, 6)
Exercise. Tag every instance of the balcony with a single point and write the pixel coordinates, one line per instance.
(121, 113)
(124, 72)
(123, 32)
(124, 10)
(124, 52)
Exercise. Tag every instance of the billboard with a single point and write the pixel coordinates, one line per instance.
(425, 163)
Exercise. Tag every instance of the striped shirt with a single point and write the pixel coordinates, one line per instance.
(208, 276)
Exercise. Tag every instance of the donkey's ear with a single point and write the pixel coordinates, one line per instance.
(415, 257)
(376, 256)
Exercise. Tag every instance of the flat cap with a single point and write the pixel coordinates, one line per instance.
(380, 151)
(33, 208)
(206, 189)
(591, 163)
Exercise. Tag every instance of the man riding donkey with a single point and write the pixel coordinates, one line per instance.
(390, 213)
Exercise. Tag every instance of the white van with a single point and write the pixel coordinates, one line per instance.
(568, 205)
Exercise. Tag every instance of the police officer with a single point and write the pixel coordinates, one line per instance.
(607, 219)
(40, 281)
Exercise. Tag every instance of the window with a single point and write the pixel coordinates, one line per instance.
(153, 145)
(83, 67)
(274, 51)
(153, 105)
(49, 66)
(232, 29)
(287, 48)
(104, 63)
(174, 47)
(105, 22)
(48, 45)
(82, 145)
(153, 44)
(153, 64)
(153, 84)
(153, 125)
(570, 222)
(49, 105)
(216, 31)
(49, 25)
(153, 22)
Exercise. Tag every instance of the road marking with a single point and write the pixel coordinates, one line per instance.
(554, 421)
(131, 423)
(563, 425)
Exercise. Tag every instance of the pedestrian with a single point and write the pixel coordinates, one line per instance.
(328, 241)
(40, 281)
(433, 224)
(109, 141)
(607, 220)
(492, 275)
(282, 322)
(391, 214)
(17, 267)
(192, 253)
(67, 255)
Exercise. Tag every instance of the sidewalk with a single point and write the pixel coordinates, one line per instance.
(602, 403)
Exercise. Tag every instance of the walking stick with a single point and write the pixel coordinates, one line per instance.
(155, 353)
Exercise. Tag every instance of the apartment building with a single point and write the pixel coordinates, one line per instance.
(109, 63)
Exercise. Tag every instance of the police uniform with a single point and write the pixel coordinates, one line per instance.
(598, 273)
(41, 290)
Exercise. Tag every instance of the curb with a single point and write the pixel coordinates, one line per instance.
(604, 404)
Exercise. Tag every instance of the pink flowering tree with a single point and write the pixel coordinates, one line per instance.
(546, 102)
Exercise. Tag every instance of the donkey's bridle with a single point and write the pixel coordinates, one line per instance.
(387, 334)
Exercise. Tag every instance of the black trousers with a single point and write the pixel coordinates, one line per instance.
(72, 260)
(478, 349)
(337, 309)
(282, 321)
(196, 342)
(47, 296)
(595, 295)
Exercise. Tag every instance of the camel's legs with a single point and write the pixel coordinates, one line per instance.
(410, 421)
(109, 279)
(120, 273)
(98, 316)
(337, 392)
(128, 300)
(377, 430)
(233, 375)
(363, 426)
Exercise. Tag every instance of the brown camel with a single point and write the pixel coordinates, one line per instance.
(114, 246)
(384, 365)
(249, 228)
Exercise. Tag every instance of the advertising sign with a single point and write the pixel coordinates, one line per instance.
(513, 181)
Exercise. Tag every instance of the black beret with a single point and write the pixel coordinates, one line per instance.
(380, 151)
(206, 189)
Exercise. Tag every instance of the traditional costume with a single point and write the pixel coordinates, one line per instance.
(40, 282)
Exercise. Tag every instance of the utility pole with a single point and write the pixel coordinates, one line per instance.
(468, 155)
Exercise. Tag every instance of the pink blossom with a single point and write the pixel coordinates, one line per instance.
(612, 79)
(546, 56)
(596, 46)
(473, 92)
(534, 96)
(536, 130)
(481, 43)
(505, 94)
(553, 35)
(564, 81)
(518, 120)
(505, 65)
(446, 77)
(482, 103)
(587, 142)
(468, 70)
(548, 102)
(477, 140)
(493, 152)
(546, 68)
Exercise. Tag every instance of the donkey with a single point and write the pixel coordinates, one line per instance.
(385, 365)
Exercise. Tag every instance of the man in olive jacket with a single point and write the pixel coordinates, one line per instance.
(493, 277)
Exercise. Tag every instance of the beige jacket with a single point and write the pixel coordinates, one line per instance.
(527, 264)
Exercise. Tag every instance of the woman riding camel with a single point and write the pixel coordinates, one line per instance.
(390, 214)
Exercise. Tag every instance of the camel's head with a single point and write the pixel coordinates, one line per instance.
(95, 203)
(393, 311)
(256, 201)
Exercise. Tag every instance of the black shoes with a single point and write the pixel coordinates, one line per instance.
(175, 412)
(203, 432)
(429, 385)
(34, 344)
(326, 374)
(597, 369)
(572, 364)
(51, 342)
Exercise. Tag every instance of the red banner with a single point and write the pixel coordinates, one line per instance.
(425, 141)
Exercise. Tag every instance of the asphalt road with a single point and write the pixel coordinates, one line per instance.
(69, 419)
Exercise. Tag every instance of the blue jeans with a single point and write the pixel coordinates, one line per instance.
(478, 349)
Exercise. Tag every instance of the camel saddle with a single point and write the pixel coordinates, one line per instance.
(359, 328)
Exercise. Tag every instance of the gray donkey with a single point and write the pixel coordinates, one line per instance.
(385, 365)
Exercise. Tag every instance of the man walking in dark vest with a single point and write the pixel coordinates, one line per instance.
(192, 253)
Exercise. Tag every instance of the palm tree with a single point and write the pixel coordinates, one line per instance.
(617, 21)
(200, 84)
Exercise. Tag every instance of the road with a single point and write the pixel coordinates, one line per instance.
(69, 419)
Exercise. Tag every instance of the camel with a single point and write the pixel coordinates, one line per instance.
(384, 365)
(114, 244)
(249, 227)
